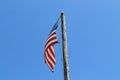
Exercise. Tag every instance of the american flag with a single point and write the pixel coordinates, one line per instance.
(49, 54)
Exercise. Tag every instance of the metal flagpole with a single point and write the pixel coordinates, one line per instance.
(64, 47)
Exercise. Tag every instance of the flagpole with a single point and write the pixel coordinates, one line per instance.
(64, 47)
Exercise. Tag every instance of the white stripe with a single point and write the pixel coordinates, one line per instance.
(51, 55)
(55, 40)
(53, 51)
(50, 38)
(48, 64)
(52, 48)
(52, 32)
(49, 60)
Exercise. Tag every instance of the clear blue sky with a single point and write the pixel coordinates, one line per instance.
(93, 30)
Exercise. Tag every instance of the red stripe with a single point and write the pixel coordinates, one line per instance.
(53, 33)
(52, 44)
(44, 57)
(50, 40)
(48, 65)
(52, 52)
(51, 57)
(49, 62)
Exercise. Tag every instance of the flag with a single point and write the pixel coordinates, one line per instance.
(49, 54)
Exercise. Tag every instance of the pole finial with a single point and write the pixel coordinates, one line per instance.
(62, 13)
